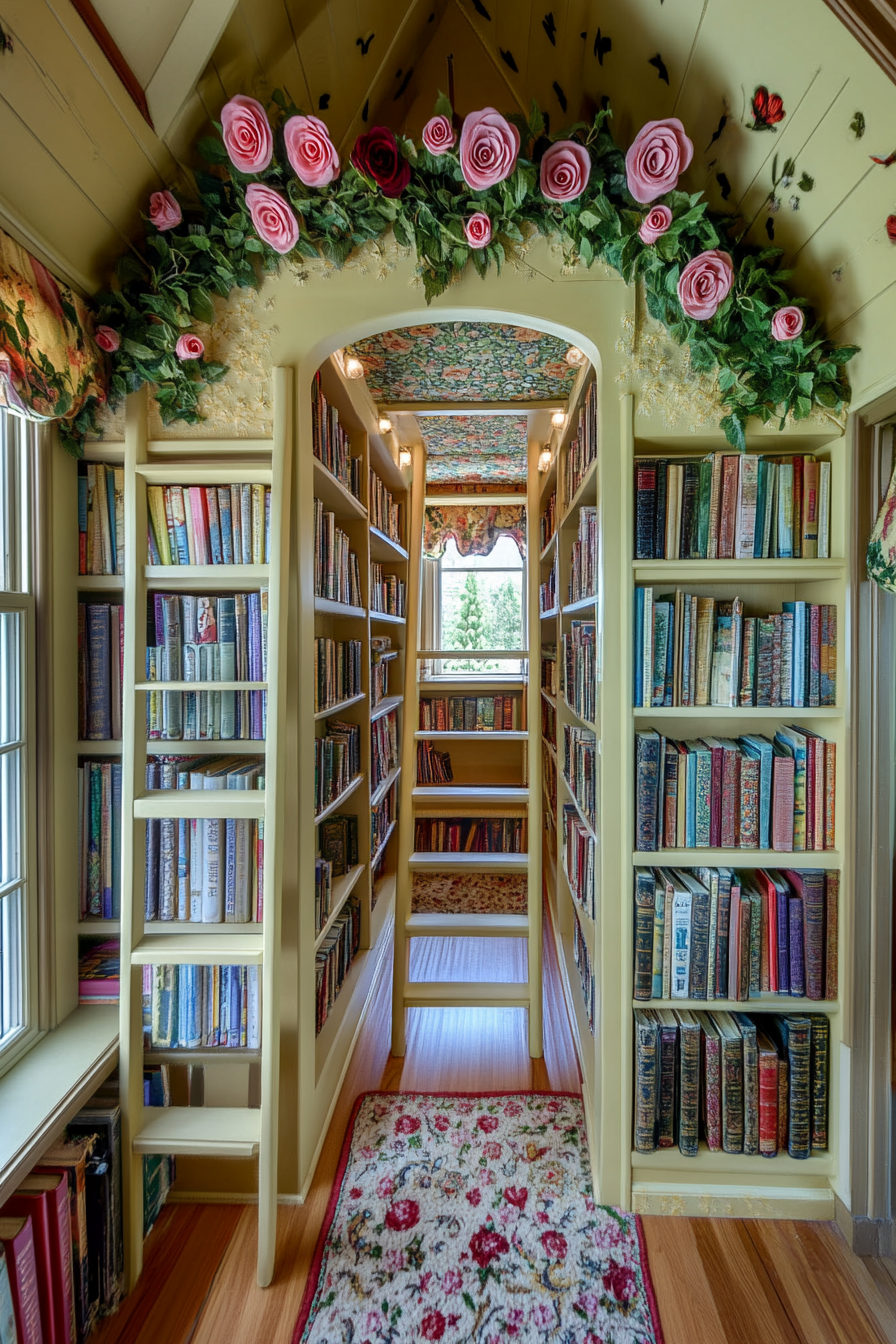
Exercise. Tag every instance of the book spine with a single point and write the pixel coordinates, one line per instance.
(644, 921)
(799, 1133)
(820, 1049)
(768, 1103)
(712, 1093)
(689, 1088)
(646, 1093)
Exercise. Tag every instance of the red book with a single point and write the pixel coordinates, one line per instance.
(770, 931)
(811, 756)
(768, 1096)
(68, 1157)
(712, 1085)
(44, 1217)
(728, 509)
(831, 932)
(782, 803)
(17, 1236)
(730, 797)
(798, 508)
(52, 1190)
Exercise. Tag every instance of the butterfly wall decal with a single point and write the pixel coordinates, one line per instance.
(767, 109)
(884, 163)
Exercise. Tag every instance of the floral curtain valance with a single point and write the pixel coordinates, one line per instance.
(50, 365)
(475, 528)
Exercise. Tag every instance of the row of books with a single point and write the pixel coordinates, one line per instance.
(433, 766)
(469, 713)
(194, 637)
(583, 562)
(99, 839)
(471, 835)
(724, 933)
(580, 861)
(337, 761)
(99, 970)
(330, 443)
(549, 668)
(732, 506)
(334, 958)
(744, 1083)
(699, 651)
(583, 448)
(384, 513)
(382, 820)
(580, 669)
(206, 716)
(323, 892)
(548, 722)
(381, 655)
(100, 518)
(204, 870)
(209, 524)
(580, 768)
(585, 966)
(337, 839)
(197, 1007)
(100, 670)
(548, 520)
(547, 591)
(337, 671)
(752, 793)
(383, 748)
(336, 574)
(388, 593)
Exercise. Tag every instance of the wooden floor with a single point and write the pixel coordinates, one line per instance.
(718, 1281)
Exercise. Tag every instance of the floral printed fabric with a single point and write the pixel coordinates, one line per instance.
(469, 893)
(475, 448)
(50, 366)
(882, 546)
(474, 527)
(469, 1220)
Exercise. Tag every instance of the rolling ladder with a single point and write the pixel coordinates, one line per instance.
(418, 799)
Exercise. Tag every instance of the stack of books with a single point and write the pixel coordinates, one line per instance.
(99, 839)
(385, 514)
(330, 443)
(586, 971)
(752, 793)
(99, 973)
(204, 870)
(382, 821)
(337, 761)
(334, 958)
(381, 655)
(744, 1083)
(383, 748)
(459, 835)
(583, 566)
(548, 521)
(580, 767)
(699, 651)
(387, 592)
(100, 670)
(579, 860)
(580, 669)
(732, 506)
(469, 713)
(724, 933)
(209, 524)
(547, 592)
(433, 766)
(337, 840)
(100, 519)
(337, 671)
(336, 574)
(583, 448)
(198, 1007)
(549, 668)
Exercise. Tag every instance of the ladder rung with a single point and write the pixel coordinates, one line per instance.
(501, 925)
(468, 863)
(466, 994)
(229, 804)
(200, 949)
(199, 1131)
(471, 793)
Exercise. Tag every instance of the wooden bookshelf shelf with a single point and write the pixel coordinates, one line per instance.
(334, 496)
(200, 686)
(173, 928)
(583, 604)
(737, 571)
(737, 858)
(104, 452)
(218, 1054)
(109, 746)
(761, 1003)
(384, 547)
(488, 795)
(205, 578)
(340, 707)
(338, 802)
(578, 718)
(549, 546)
(205, 473)
(387, 618)
(201, 449)
(324, 607)
(100, 583)
(99, 927)
(551, 699)
(583, 490)
(589, 825)
(749, 714)
(375, 859)
(730, 1164)
(342, 889)
(549, 615)
(206, 746)
(385, 707)
(199, 1131)
(199, 949)
(456, 681)
(384, 786)
(494, 735)
(226, 803)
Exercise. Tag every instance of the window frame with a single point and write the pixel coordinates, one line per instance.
(465, 567)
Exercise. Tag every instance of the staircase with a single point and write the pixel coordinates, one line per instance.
(417, 800)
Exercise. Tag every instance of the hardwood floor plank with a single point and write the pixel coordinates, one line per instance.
(690, 1314)
(748, 1305)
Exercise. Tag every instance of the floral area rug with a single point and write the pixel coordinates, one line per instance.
(469, 894)
(470, 1218)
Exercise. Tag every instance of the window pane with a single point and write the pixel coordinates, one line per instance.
(482, 610)
(11, 782)
(11, 981)
(10, 676)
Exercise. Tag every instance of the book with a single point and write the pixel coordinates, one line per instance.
(44, 1197)
(17, 1240)
(646, 1081)
(9, 1333)
(689, 1081)
(69, 1157)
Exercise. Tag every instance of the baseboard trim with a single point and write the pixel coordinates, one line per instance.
(815, 1203)
(866, 1236)
(221, 1197)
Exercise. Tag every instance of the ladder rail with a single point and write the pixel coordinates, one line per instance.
(533, 724)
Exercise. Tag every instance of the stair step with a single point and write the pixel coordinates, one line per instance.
(471, 793)
(468, 863)
(465, 994)
(428, 925)
(199, 1131)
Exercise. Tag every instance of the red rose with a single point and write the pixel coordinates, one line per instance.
(487, 1123)
(619, 1283)
(555, 1246)
(474, 1197)
(407, 1124)
(356, 1192)
(516, 1197)
(401, 1215)
(440, 1123)
(377, 155)
(486, 1246)
(433, 1325)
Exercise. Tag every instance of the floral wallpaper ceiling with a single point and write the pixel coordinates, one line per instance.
(477, 449)
(465, 361)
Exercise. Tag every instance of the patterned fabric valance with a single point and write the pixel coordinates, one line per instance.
(50, 366)
(475, 528)
(882, 546)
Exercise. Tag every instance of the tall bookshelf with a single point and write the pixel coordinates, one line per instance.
(324, 1054)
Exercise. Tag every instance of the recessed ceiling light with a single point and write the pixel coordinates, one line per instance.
(385, 425)
(354, 368)
(558, 419)
(575, 356)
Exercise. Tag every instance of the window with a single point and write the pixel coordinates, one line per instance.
(482, 606)
(18, 885)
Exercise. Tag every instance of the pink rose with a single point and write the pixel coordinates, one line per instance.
(555, 1245)
(439, 135)
(705, 283)
(274, 221)
(433, 1325)
(108, 339)
(659, 153)
(189, 347)
(478, 229)
(655, 225)
(247, 134)
(310, 151)
(565, 170)
(402, 1215)
(488, 149)
(440, 1123)
(407, 1124)
(164, 210)
(787, 323)
(486, 1245)
(487, 1123)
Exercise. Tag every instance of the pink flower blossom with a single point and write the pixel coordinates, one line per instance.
(164, 210)
(439, 135)
(588, 1303)
(787, 323)
(514, 1316)
(478, 229)
(487, 1123)
(658, 154)
(247, 134)
(513, 1108)
(492, 1151)
(488, 149)
(565, 169)
(310, 151)
(542, 1316)
(356, 1192)
(108, 339)
(272, 218)
(407, 1124)
(705, 283)
(555, 1245)
(452, 1281)
(655, 225)
(441, 1123)
(386, 1188)
(189, 346)
(395, 1261)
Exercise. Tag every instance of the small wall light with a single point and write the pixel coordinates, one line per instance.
(354, 368)
(575, 357)
(544, 458)
(558, 419)
(404, 458)
(385, 425)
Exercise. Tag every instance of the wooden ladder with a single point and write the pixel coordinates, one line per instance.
(407, 993)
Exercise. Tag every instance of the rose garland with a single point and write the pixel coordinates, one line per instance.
(280, 190)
